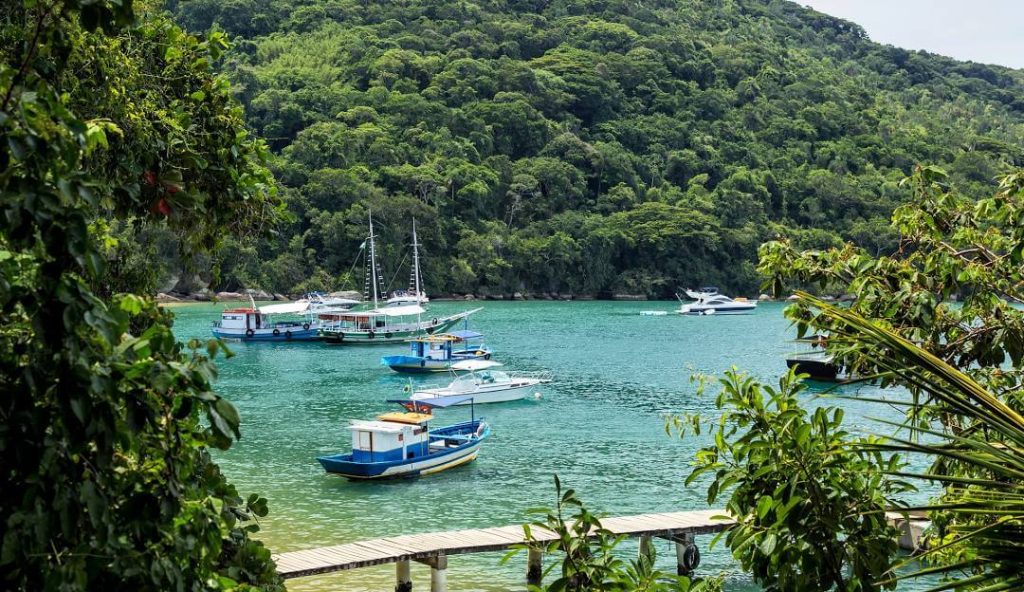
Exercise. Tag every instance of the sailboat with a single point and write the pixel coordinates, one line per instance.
(384, 324)
(415, 294)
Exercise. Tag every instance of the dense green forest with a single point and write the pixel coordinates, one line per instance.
(586, 146)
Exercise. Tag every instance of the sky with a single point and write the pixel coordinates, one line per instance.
(987, 31)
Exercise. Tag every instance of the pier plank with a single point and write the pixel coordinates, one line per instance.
(432, 544)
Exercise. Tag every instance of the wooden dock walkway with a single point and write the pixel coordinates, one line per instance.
(433, 548)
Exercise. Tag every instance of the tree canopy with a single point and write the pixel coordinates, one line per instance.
(557, 132)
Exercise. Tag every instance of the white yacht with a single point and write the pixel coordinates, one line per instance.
(320, 303)
(484, 384)
(415, 294)
(709, 301)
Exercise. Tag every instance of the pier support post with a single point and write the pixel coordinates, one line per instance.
(403, 576)
(534, 569)
(645, 548)
(438, 574)
(687, 555)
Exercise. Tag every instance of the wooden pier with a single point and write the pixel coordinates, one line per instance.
(434, 548)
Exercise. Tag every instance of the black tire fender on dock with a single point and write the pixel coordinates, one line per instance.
(305, 326)
(249, 332)
(277, 332)
(691, 558)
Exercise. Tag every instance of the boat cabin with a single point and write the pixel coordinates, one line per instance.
(392, 437)
(243, 318)
(441, 346)
(371, 320)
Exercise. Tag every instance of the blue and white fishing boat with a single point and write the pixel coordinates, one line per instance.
(437, 353)
(260, 324)
(401, 444)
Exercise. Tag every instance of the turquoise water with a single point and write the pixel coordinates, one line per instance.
(599, 426)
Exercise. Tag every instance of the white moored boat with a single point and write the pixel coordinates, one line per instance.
(391, 323)
(415, 294)
(709, 301)
(484, 384)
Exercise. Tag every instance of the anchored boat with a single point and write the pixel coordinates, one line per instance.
(402, 444)
(818, 364)
(437, 353)
(484, 384)
(415, 293)
(320, 303)
(260, 324)
(383, 324)
(709, 301)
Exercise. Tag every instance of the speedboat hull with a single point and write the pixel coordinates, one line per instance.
(518, 389)
(815, 366)
(692, 309)
(450, 446)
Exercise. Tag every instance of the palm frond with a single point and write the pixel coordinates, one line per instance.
(984, 493)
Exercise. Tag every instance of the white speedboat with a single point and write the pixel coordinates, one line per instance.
(484, 384)
(319, 303)
(709, 301)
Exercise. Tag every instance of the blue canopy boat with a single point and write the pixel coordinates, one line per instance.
(437, 353)
(401, 444)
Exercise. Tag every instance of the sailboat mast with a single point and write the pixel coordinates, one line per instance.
(416, 261)
(373, 264)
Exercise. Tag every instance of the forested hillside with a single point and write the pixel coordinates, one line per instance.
(589, 146)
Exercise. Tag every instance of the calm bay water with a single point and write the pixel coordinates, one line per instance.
(600, 426)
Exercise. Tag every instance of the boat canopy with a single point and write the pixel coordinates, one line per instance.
(391, 311)
(438, 403)
(474, 365)
(286, 308)
(422, 415)
(465, 334)
(402, 311)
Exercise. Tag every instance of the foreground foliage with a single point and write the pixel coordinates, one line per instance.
(590, 146)
(981, 509)
(108, 480)
(808, 499)
(588, 554)
(954, 286)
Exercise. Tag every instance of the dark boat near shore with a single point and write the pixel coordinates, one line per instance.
(818, 365)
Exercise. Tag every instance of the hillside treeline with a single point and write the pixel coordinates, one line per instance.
(587, 146)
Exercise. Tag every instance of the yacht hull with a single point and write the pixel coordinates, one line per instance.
(519, 389)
